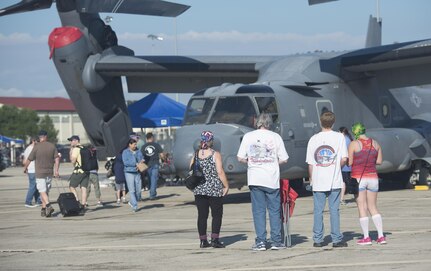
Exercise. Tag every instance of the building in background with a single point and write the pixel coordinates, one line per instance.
(60, 110)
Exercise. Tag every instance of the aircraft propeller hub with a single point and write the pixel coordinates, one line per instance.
(63, 36)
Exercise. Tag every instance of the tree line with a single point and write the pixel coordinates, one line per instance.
(24, 123)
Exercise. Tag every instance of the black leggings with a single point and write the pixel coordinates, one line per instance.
(203, 203)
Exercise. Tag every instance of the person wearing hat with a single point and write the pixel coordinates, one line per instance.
(47, 163)
(78, 177)
(263, 150)
(210, 193)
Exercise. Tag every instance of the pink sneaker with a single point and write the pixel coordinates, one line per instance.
(364, 241)
(381, 240)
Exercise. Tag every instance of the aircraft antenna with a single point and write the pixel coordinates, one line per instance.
(176, 37)
(117, 6)
(378, 11)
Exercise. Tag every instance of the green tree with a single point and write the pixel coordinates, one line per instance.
(28, 123)
(9, 120)
(47, 125)
(18, 123)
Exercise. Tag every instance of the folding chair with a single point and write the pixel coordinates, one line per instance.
(288, 197)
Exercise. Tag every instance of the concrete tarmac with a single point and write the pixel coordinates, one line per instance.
(162, 235)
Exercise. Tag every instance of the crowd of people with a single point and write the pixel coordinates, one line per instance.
(41, 158)
(334, 159)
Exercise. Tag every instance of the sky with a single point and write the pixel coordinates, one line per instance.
(223, 27)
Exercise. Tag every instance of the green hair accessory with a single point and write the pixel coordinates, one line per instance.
(358, 129)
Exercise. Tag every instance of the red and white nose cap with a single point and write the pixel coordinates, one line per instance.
(63, 36)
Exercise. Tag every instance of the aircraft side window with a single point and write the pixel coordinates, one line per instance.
(198, 110)
(268, 105)
(237, 110)
(385, 110)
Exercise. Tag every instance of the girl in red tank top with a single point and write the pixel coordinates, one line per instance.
(365, 160)
(364, 155)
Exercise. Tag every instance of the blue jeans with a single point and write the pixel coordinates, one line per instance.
(134, 185)
(263, 198)
(153, 176)
(319, 199)
(32, 191)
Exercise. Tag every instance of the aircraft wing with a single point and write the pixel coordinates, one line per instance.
(179, 74)
(142, 7)
(315, 2)
(405, 64)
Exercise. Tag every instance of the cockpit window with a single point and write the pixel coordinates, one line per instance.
(268, 105)
(237, 109)
(198, 111)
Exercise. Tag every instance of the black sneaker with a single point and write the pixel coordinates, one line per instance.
(82, 208)
(204, 244)
(318, 244)
(43, 212)
(49, 211)
(339, 244)
(215, 243)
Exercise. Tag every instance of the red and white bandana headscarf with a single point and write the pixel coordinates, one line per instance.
(206, 136)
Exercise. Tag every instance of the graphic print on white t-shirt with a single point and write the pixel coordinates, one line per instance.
(261, 152)
(325, 156)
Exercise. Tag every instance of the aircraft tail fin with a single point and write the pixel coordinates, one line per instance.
(374, 33)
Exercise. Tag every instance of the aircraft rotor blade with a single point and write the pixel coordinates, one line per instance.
(142, 7)
(315, 2)
(26, 5)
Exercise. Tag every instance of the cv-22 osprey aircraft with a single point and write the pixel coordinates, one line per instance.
(384, 87)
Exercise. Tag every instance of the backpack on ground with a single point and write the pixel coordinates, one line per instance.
(88, 158)
(109, 166)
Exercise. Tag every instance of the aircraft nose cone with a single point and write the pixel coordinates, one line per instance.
(227, 139)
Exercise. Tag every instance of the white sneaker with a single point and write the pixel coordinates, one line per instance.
(278, 247)
(133, 208)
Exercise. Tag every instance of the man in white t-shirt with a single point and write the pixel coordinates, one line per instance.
(263, 151)
(326, 154)
(31, 173)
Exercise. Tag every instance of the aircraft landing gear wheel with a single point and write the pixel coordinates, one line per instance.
(423, 176)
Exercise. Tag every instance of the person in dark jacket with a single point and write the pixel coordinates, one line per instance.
(120, 178)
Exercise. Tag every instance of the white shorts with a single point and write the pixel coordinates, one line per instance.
(370, 184)
(43, 184)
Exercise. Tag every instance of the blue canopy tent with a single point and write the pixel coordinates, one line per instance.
(5, 139)
(156, 110)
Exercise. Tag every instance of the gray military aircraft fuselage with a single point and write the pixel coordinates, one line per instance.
(385, 87)
(398, 118)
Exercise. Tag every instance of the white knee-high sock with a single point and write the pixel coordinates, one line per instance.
(364, 225)
(378, 222)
